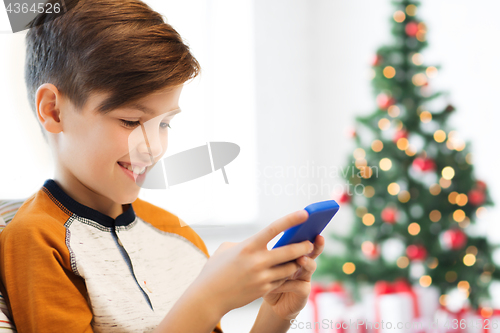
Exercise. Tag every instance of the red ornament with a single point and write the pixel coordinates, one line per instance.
(450, 108)
(384, 101)
(344, 198)
(480, 185)
(424, 164)
(370, 250)
(416, 252)
(377, 60)
(411, 29)
(389, 215)
(351, 133)
(476, 197)
(454, 239)
(400, 134)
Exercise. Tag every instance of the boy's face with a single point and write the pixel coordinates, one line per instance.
(93, 151)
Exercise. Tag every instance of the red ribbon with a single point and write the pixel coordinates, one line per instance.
(317, 289)
(398, 286)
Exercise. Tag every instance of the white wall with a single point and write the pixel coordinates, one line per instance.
(312, 79)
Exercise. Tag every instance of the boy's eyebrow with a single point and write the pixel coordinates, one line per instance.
(147, 110)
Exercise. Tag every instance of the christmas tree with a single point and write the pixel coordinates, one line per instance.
(412, 185)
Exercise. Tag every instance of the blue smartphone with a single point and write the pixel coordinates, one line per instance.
(320, 214)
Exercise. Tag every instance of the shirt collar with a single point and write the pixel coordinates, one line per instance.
(127, 217)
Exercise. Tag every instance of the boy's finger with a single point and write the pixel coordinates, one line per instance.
(289, 252)
(283, 272)
(268, 233)
(319, 245)
(308, 267)
(302, 288)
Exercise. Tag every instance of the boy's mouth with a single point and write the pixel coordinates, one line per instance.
(134, 168)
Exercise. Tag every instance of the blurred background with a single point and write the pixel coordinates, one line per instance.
(284, 80)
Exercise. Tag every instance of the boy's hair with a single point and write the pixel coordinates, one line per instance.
(121, 47)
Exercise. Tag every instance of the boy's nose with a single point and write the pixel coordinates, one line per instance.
(155, 143)
(146, 144)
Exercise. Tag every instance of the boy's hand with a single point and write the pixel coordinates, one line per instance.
(239, 273)
(290, 298)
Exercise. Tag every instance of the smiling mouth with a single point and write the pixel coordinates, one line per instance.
(135, 169)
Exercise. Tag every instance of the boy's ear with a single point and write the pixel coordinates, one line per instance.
(48, 103)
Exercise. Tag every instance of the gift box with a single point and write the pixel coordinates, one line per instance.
(356, 316)
(457, 314)
(325, 310)
(428, 304)
(449, 321)
(485, 320)
(396, 308)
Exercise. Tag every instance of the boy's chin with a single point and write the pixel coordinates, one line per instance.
(129, 197)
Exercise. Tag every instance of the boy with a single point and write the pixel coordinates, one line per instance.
(84, 254)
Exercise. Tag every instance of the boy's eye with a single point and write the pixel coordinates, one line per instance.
(129, 123)
(136, 123)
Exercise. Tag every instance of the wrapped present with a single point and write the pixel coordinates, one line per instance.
(396, 308)
(356, 316)
(455, 316)
(325, 309)
(428, 303)
(449, 321)
(485, 320)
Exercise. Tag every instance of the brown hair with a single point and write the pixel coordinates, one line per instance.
(121, 47)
